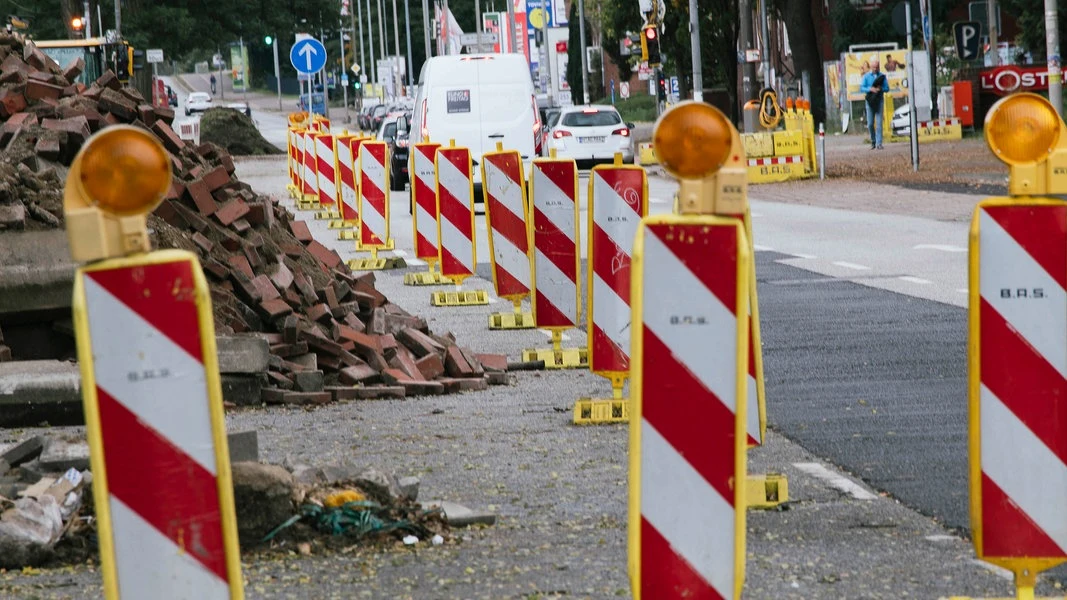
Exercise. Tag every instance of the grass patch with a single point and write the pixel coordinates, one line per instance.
(639, 108)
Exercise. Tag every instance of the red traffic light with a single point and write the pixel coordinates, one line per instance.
(650, 33)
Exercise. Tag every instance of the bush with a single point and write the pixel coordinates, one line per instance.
(638, 108)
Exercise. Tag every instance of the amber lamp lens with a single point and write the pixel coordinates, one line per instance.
(125, 171)
(692, 140)
(1022, 129)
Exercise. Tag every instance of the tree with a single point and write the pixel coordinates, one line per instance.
(796, 14)
(574, 57)
(1030, 16)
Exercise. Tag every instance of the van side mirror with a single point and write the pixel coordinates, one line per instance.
(401, 125)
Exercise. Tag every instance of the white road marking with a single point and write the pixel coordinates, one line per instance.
(548, 333)
(942, 538)
(853, 266)
(802, 255)
(941, 247)
(998, 571)
(918, 280)
(963, 290)
(836, 481)
(759, 248)
(755, 214)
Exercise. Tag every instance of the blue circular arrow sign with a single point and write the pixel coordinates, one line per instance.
(308, 56)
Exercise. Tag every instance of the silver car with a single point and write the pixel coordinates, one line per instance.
(592, 133)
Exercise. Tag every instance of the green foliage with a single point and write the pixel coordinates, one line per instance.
(1030, 16)
(638, 108)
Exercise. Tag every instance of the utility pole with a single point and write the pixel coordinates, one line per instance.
(913, 117)
(1052, 50)
(372, 68)
(344, 69)
(694, 41)
(765, 47)
(585, 59)
(991, 18)
(118, 19)
(397, 77)
(407, 38)
(446, 31)
(511, 25)
(277, 71)
(88, 20)
(478, 21)
(362, 50)
(748, 69)
(426, 27)
(381, 31)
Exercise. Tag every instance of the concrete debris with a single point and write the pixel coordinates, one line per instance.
(59, 456)
(458, 515)
(28, 532)
(264, 498)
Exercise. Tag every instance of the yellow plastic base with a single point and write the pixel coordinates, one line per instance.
(511, 320)
(375, 264)
(328, 214)
(766, 491)
(347, 236)
(388, 245)
(426, 279)
(591, 411)
(566, 358)
(308, 204)
(646, 154)
(340, 224)
(472, 298)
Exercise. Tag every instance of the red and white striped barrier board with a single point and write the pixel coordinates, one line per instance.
(293, 157)
(373, 195)
(325, 166)
(618, 200)
(455, 206)
(347, 150)
(424, 190)
(310, 172)
(555, 239)
(505, 213)
(939, 123)
(780, 160)
(687, 508)
(298, 161)
(1018, 382)
(163, 491)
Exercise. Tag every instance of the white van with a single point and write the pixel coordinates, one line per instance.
(478, 100)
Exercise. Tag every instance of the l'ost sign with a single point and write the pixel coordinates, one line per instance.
(1010, 78)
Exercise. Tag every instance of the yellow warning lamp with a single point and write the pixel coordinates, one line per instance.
(1024, 131)
(696, 143)
(118, 177)
(77, 24)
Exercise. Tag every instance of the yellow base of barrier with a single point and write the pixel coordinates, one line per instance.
(766, 491)
(325, 215)
(944, 130)
(339, 223)
(589, 411)
(472, 298)
(376, 264)
(565, 358)
(348, 236)
(428, 278)
(646, 155)
(511, 320)
(777, 170)
(306, 203)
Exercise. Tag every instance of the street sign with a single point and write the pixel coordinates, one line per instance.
(308, 56)
(154, 56)
(471, 39)
(624, 89)
(968, 36)
(675, 86)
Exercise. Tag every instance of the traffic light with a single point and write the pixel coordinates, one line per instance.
(650, 45)
(124, 62)
(1024, 131)
(77, 24)
(268, 40)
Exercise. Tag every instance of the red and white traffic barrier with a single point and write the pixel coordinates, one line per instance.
(167, 515)
(424, 191)
(374, 195)
(939, 123)
(455, 198)
(1021, 382)
(290, 138)
(555, 239)
(325, 167)
(347, 151)
(779, 160)
(689, 376)
(618, 200)
(310, 172)
(505, 213)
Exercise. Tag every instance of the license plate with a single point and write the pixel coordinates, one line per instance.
(591, 140)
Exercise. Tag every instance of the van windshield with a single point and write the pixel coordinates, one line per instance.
(600, 118)
(389, 131)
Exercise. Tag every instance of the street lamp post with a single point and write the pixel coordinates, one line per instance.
(273, 41)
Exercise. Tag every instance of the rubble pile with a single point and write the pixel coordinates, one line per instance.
(234, 131)
(330, 334)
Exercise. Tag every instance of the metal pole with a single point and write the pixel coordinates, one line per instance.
(362, 50)
(991, 18)
(397, 78)
(118, 19)
(88, 20)
(511, 25)
(912, 116)
(748, 69)
(765, 47)
(344, 71)
(478, 21)
(1052, 50)
(426, 24)
(381, 33)
(99, 20)
(694, 42)
(373, 67)
(407, 38)
(585, 59)
(277, 72)
(931, 50)
(822, 152)
(446, 33)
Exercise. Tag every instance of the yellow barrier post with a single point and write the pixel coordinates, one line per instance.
(162, 488)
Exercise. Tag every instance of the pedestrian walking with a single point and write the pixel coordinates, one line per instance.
(212, 84)
(873, 85)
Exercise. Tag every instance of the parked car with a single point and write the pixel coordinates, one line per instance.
(377, 115)
(478, 100)
(392, 126)
(901, 122)
(591, 134)
(550, 117)
(172, 98)
(197, 102)
(364, 117)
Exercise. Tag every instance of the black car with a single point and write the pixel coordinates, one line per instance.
(377, 115)
(364, 117)
(395, 133)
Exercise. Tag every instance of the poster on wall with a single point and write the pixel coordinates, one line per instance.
(239, 67)
(858, 64)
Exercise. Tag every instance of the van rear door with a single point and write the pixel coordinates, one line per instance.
(506, 112)
(456, 112)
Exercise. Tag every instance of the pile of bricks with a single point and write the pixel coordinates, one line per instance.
(331, 334)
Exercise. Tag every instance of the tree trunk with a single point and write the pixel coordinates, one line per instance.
(805, 46)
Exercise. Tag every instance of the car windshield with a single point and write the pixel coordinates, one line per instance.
(389, 131)
(199, 98)
(379, 110)
(600, 118)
